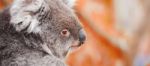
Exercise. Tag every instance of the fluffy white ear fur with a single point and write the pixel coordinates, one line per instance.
(22, 17)
(70, 3)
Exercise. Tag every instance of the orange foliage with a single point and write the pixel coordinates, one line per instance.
(97, 50)
(1, 5)
(4, 3)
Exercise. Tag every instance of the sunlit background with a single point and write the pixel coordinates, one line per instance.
(118, 33)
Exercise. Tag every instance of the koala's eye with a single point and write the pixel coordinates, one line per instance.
(65, 32)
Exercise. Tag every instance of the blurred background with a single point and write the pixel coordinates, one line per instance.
(118, 33)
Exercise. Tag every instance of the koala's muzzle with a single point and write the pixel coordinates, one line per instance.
(82, 37)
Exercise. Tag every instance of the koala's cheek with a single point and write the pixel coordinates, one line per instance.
(65, 53)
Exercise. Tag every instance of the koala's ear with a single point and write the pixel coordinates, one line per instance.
(25, 5)
(70, 3)
(23, 14)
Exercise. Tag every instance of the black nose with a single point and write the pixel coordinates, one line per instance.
(82, 36)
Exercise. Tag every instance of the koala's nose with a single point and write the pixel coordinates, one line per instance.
(82, 36)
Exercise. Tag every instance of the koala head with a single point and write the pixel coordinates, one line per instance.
(53, 20)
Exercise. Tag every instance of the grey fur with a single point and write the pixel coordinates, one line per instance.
(24, 48)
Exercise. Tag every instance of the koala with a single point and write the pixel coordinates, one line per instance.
(39, 33)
